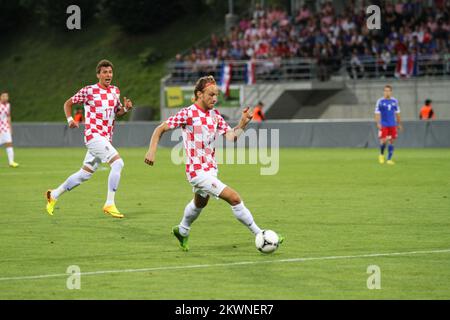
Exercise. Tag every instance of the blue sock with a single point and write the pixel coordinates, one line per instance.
(382, 147)
(391, 151)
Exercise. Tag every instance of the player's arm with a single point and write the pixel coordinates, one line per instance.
(246, 117)
(156, 136)
(127, 106)
(378, 115)
(399, 122)
(378, 120)
(68, 105)
(10, 124)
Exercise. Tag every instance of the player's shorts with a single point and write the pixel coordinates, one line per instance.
(206, 184)
(5, 137)
(99, 150)
(388, 132)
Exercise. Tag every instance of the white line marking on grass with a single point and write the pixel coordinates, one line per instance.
(17, 173)
(230, 264)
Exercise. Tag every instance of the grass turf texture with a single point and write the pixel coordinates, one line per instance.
(327, 202)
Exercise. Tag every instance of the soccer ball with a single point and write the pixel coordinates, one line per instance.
(267, 241)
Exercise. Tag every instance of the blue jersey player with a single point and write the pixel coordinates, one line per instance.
(387, 117)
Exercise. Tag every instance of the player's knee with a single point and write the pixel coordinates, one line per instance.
(201, 205)
(234, 199)
(85, 175)
(200, 202)
(118, 164)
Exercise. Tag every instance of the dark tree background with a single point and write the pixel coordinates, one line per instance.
(148, 16)
(134, 16)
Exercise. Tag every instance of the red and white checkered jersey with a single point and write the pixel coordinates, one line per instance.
(100, 107)
(200, 129)
(4, 114)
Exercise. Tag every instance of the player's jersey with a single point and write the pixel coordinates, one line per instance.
(100, 107)
(200, 129)
(387, 108)
(4, 114)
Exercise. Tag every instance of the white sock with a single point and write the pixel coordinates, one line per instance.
(73, 181)
(10, 153)
(191, 212)
(244, 216)
(113, 180)
(110, 198)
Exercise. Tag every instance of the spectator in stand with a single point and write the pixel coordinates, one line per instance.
(408, 25)
(357, 68)
(303, 15)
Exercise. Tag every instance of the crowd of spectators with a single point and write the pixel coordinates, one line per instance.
(331, 39)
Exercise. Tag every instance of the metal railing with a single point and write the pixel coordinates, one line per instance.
(276, 70)
(422, 66)
(269, 70)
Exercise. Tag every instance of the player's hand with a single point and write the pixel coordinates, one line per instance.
(400, 127)
(73, 125)
(379, 126)
(247, 115)
(127, 103)
(149, 158)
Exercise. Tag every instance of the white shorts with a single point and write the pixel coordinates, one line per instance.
(99, 150)
(206, 184)
(5, 137)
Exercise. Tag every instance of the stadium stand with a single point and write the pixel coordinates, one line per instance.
(317, 44)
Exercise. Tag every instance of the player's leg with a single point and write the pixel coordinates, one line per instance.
(382, 146)
(240, 211)
(102, 149)
(10, 153)
(392, 138)
(6, 139)
(390, 151)
(73, 181)
(191, 213)
(116, 163)
(90, 165)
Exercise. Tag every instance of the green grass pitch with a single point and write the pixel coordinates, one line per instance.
(326, 202)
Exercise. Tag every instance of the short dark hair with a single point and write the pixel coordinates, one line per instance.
(428, 101)
(388, 86)
(3, 92)
(104, 63)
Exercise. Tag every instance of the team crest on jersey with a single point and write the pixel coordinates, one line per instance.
(215, 119)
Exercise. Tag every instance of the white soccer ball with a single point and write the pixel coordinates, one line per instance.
(267, 241)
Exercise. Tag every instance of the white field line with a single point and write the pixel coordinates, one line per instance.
(230, 264)
(43, 172)
(18, 173)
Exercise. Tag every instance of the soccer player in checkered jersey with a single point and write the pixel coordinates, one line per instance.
(387, 117)
(201, 124)
(101, 105)
(6, 128)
